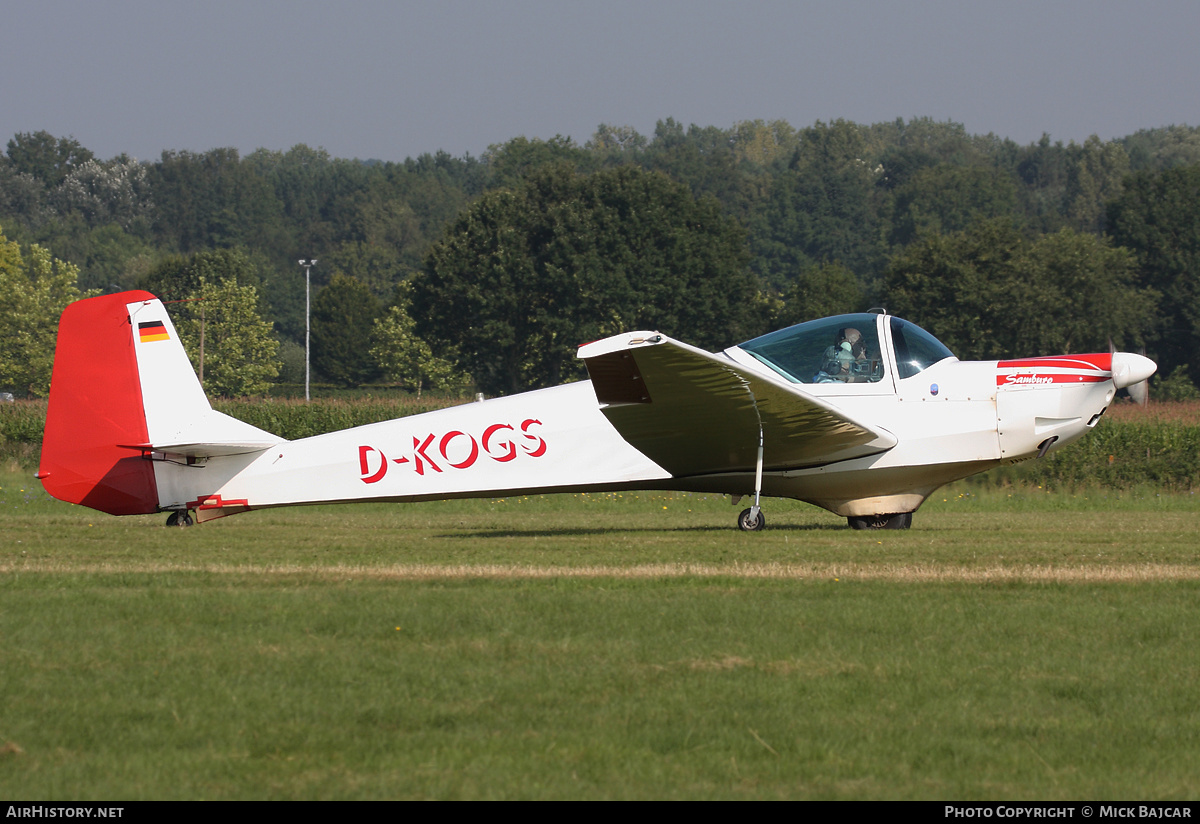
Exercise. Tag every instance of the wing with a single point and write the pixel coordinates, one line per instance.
(695, 413)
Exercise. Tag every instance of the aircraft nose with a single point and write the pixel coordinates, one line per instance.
(1128, 369)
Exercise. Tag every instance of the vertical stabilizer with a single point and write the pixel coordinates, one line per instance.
(95, 414)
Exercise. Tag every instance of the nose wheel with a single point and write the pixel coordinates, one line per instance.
(751, 520)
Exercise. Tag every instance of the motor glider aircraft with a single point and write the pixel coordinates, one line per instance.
(864, 415)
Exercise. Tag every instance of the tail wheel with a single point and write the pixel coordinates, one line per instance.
(899, 520)
(180, 517)
(751, 521)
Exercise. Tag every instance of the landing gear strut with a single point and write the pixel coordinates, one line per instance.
(180, 517)
(752, 519)
(899, 520)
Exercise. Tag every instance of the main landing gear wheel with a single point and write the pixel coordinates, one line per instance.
(180, 518)
(749, 521)
(899, 520)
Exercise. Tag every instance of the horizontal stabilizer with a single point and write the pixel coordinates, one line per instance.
(211, 434)
(696, 413)
(200, 450)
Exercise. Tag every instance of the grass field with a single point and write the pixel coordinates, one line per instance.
(1015, 644)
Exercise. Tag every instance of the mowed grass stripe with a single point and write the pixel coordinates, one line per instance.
(900, 573)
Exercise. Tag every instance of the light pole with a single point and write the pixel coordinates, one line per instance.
(307, 263)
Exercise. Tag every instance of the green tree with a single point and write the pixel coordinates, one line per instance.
(34, 290)
(1153, 150)
(343, 319)
(616, 143)
(21, 195)
(213, 200)
(704, 159)
(1096, 173)
(406, 358)
(218, 292)
(958, 286)
(948, 198)
(509, 163)
(178, 277)
(830, 289)
(821, 209)
(763, 143)
(524, 276)
(111, 259)
(987, 292)
(378, 265)
(114, 192)
(1044, 169)
(232, 348)
(923, 141)
(46, 157)
(1175, 386)
(303, 179)
(1095, 295)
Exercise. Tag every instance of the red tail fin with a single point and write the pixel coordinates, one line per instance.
(95, 409)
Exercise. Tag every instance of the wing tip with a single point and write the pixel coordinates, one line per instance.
(617, 343)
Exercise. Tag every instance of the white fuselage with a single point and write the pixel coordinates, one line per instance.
(555, 440)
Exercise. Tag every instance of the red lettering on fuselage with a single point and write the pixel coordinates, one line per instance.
(369, 477)
(539, 450)
(419, 448)
(448, 438)
(487, 446)
(456, 449)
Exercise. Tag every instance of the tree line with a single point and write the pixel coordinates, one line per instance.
(449, 271)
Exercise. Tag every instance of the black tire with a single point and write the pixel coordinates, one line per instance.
(897, 520)
(180, 518)
(748, 522)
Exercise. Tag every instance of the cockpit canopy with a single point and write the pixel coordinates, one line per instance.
(846, 349)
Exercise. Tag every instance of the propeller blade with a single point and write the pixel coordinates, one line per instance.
(1140, 392)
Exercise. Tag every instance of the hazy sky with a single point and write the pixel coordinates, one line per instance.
(391, 79)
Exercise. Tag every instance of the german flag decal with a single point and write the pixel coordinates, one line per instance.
(152, 330)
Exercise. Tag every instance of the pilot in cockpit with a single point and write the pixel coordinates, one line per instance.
(846, 360)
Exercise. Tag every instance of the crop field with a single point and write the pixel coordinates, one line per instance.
(1017, 643)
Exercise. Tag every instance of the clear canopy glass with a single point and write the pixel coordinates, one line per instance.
(916, 349)
(845, 349)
